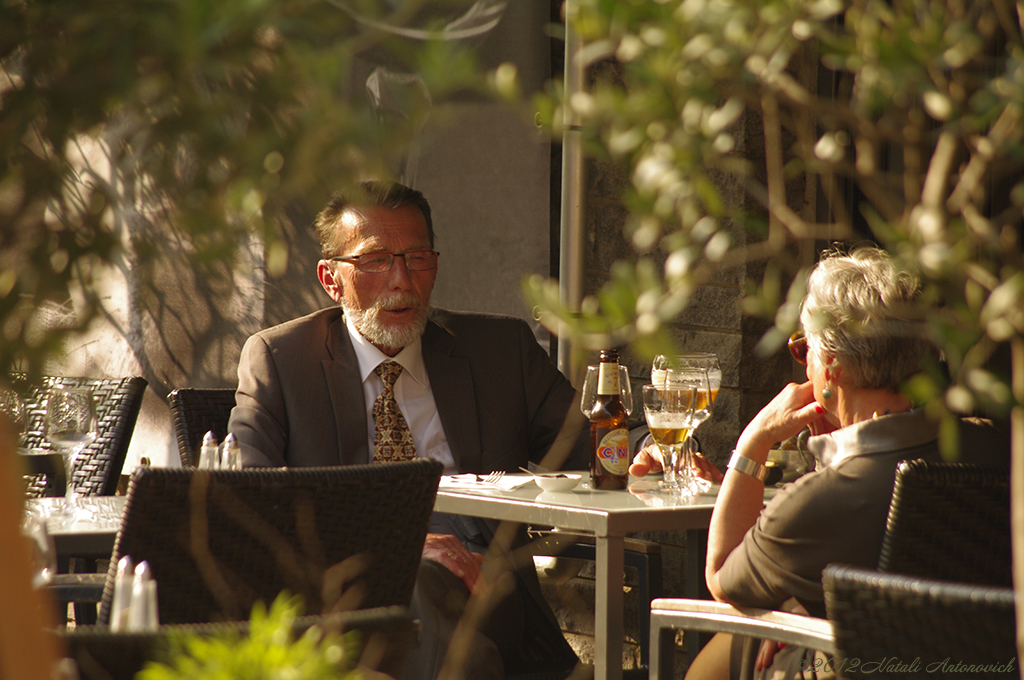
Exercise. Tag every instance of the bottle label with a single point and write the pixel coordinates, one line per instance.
(613, 451)
(608, 378)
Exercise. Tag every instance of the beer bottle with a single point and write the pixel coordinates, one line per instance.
(609, 436)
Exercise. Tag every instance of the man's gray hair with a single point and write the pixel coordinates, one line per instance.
(862, 308)
(381, 194)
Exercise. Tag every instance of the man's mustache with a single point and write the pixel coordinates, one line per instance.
(399, 301)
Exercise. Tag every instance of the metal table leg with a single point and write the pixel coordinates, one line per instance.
(696, 584)
(608, 626)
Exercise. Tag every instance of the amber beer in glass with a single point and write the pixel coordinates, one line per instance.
(609, 434)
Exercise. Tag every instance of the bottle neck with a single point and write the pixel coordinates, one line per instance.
(608, 378)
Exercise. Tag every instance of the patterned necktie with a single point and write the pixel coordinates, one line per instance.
(392, 440)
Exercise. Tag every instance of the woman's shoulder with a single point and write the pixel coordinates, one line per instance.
(860, 484)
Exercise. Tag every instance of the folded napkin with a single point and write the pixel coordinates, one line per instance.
(470, 481)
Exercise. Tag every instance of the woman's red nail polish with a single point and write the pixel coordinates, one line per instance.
(819, 408)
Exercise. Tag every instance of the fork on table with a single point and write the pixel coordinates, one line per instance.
(491, 478)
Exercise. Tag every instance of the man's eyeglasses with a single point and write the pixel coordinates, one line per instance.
(379, 262)
(798, 347)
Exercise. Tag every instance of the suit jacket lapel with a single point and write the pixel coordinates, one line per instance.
(451, 381)
(346, 393)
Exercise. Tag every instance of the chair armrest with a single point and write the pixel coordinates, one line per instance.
(670, 614)
(709, 616)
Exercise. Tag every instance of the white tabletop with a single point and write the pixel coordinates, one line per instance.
(643, 507)
(92, 537)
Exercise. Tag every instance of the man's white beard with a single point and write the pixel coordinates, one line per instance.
(368, 322)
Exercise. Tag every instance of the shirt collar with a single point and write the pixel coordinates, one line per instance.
(876, 435)
(369, 357)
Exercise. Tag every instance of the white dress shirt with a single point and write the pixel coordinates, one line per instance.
(412, 392)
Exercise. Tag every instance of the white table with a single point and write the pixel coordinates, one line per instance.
(92, 538)
(609, 516)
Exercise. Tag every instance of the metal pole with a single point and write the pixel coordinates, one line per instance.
(570, 267)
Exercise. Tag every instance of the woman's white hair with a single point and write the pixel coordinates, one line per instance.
(861, 308)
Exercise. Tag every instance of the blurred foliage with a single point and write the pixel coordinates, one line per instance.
(204, 117)
(741, 123)
(271, 649)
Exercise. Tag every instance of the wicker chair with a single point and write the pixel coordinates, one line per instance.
(951, 522)
(98, 466)
(217, 541)
(902, 627)
(45, 474)
(956, 514)
(384, 637)
(195, 412)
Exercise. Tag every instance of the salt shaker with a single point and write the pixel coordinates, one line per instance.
(142, 616)
(231, 456)
(209, 459)
(120, 606)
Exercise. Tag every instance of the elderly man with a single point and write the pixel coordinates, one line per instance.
(384, 377)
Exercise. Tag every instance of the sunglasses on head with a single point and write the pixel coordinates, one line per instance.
(798, 347)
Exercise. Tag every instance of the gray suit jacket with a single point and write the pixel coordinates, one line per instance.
(501, 401)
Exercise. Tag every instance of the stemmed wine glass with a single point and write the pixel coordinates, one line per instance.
(589, 392)
(696, 377)
(705, 360)
(696, 361)
(708, 362)
(70, 425)
(669, 411)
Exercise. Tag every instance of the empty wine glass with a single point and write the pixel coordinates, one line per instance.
(42, 553)
(13, 408)
(668, 409)
(589, 392)
(70, 425)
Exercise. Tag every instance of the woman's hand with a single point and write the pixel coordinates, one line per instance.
(705, 469)
(766, 654)
(448, 551)
(792, 409)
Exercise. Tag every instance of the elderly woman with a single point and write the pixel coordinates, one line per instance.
(859, 344)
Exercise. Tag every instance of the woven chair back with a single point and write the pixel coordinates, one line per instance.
(195, 412)
(907, 628)
(45, 475)
(949, 521)
(217, 541)
(98, 466)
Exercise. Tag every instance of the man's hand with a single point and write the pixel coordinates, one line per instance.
(648, 460)
(448, 551)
